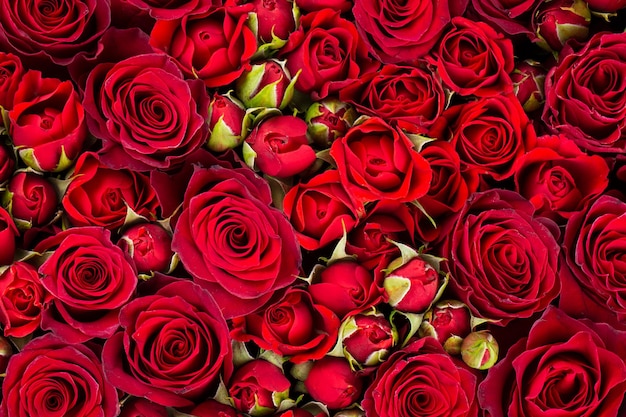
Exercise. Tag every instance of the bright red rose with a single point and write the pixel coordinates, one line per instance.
(258, 385)
(101, 196)
(146, 113)
(232, 241)
(509, 16)
(376, 161)
(11, 72)
(173, 9)
(57, 31)
(22, 300)
(275, 18)
(51, 377)
(8, 233)
(149, 246)
(329, 51)
(47, 122)
(90, 279)
(367, 339)
(293, 325)
(564, 367)
(173, 346)
(503, 261)
(140, 407)
(587, 104)
(320, 209)
(214, 45)
(401, 31)
(33, 199)
(421, 380)
(332, 382)
(315, 5)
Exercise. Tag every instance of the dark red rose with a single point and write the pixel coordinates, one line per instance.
(315, 5)
(57, 31)
(117, 192)
(146, 113)
(556, 22)
(8, 233)
(564, 367)
(51, 377)
(7, 162)
(509, 16)
(212, 408)
(376, 161)
(332, 382)
(140, 407)
(606, 6)
(594, 246)
(232, 241)
(149, 246)
(274, 19)
(410, 97)
(292, 326)
(33, 199)
(401, 31)
(474, 59)
(173, 9)
(258, 385)
(11, 72)
(47, 122)
(559, 179)
(503, 261)
(90, 279)
(586, 104)
(173, 347)
(214, 45)
(281, 146)
(490, 134)
(528, 84)
(319, 210)
(421, 380)
(328, 51)
(22, 300)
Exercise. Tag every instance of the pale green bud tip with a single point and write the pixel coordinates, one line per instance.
(479, 350)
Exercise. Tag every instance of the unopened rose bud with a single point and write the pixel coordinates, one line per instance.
(448, 322)
(268, 84)
(412, 287)
(480, 350)
(273, 19)
(557, 21)
(352, 412)
(528, 84)
(367, 338)
(33, 199)
(6, 350)
(332, 382)
(149, 246)
(606, 6)
(227, 123)
(7, 163)
(328, 120)
(258, 388)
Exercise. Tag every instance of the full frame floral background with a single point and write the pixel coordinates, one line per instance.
(319, 208)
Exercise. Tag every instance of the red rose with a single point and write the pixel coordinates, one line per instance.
(146, 113)
(332, 382)
(212, 408)
(173, 9)
(8, 233)
(51, 377)
(90, 279)
(173, 347)
(258, 385)
(274, 19)
(214, 45)
(606, 6)
(291, 326)
(11, 72)
(376, 161)
(47, 122)
(401, 31)
(328, 51)
(232, 241)
(22, 300)
(58, 31)
(320, 209)
(474, 59)
(7, 162)
(585, 104)
(140, 407)
(503, 261)
(149, 246)
(421, 380)
(116, 191)
(564, 367)
(510, 17)
(490, 134)
(33, 199)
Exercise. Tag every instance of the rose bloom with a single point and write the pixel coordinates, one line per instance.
(564, 367)
(421, 380)
(258, 384)
(586, 94)
(232, 241)
(173, 346)
(173, 9)
(33, 199)
(8, 234)
(502, 260)
(376, 161)
(146, 113)
(11, 72)
(51, 377)
(90, 279)
(512, 17)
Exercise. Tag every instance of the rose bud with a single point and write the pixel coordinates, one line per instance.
(279, 147)
(328, 120)
(6, 350)
(8, 233)
(557, 21)
(332, 382)
(227, 123)
(149, 246)
(140, 407)
(268, 84)
(448, 322)
(367, 338)
(273, 21)
(605, 6)
(480, 350)
(7, 163)
(259, 387)
(33, 199)
(528, 80)
(351, 412)
(213, 408)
